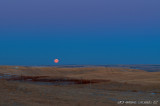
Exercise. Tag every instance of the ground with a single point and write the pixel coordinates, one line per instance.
(86, 86)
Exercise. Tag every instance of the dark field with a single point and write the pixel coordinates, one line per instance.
(77, 86)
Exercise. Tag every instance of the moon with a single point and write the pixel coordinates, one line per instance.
(56, 60)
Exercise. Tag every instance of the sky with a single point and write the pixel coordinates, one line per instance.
(81, 32)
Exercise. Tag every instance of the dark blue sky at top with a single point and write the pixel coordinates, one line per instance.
(34, 32)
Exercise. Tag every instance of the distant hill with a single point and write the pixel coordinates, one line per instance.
(146, 67)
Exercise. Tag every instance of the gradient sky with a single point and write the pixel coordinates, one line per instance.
(34, 32)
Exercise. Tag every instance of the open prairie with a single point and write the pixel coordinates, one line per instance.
(75, 86)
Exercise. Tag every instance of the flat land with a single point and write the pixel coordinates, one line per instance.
(85, 86)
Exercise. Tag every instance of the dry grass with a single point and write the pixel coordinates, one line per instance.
(113, 83)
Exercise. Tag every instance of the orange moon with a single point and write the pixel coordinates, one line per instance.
(56, 60)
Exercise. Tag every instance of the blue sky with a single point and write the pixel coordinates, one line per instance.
(34, 32)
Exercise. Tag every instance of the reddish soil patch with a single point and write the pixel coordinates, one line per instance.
(51, 80)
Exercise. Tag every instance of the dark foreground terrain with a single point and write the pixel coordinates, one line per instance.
(85, 86)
